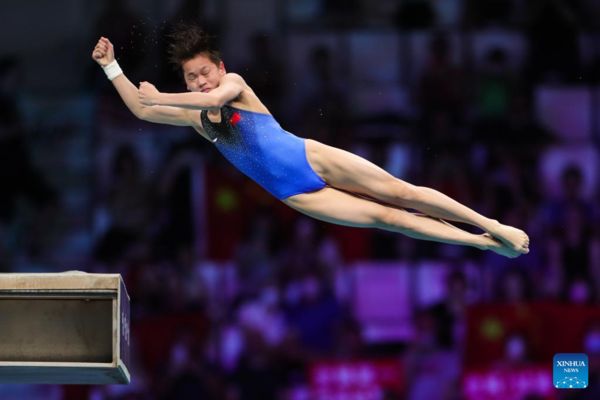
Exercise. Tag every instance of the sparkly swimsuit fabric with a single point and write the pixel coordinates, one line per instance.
(257, 145)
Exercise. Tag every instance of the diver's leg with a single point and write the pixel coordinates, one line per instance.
(342, 208)
(344, 170)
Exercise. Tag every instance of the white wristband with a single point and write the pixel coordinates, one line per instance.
(112, 70)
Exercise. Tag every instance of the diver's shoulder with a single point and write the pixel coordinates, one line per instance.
(234, 77)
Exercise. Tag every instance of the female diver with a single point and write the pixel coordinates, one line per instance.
(321, 181)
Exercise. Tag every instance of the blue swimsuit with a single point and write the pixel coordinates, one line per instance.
(257, 145)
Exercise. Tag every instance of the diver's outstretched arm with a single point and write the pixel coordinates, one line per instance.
(104, 55)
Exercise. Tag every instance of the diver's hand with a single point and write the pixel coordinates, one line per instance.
(104, 52)
(148, 94)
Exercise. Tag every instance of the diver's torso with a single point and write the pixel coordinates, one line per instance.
(257, 145)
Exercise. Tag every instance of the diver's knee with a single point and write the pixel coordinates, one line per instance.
(406, 193)
(393, 220)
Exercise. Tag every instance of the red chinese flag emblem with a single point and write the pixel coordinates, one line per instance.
(235, 118)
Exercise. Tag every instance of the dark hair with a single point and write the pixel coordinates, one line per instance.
(188, 41)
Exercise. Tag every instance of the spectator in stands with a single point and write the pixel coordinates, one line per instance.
(129, 203)
(316, 316)
(553, 38)
(449, 314)
(571, 234)
(324, 113)
(442, 91)
(430, 371)
(514, 286)
(255, 263)
(20, 178)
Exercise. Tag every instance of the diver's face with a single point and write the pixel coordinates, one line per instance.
(201, 74)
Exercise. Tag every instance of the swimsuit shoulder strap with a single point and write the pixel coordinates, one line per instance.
(204, 116)
(224, 113)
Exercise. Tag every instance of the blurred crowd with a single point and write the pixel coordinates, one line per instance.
(234, 296)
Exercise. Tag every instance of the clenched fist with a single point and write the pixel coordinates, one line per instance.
(104, 52)
(148, 94)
